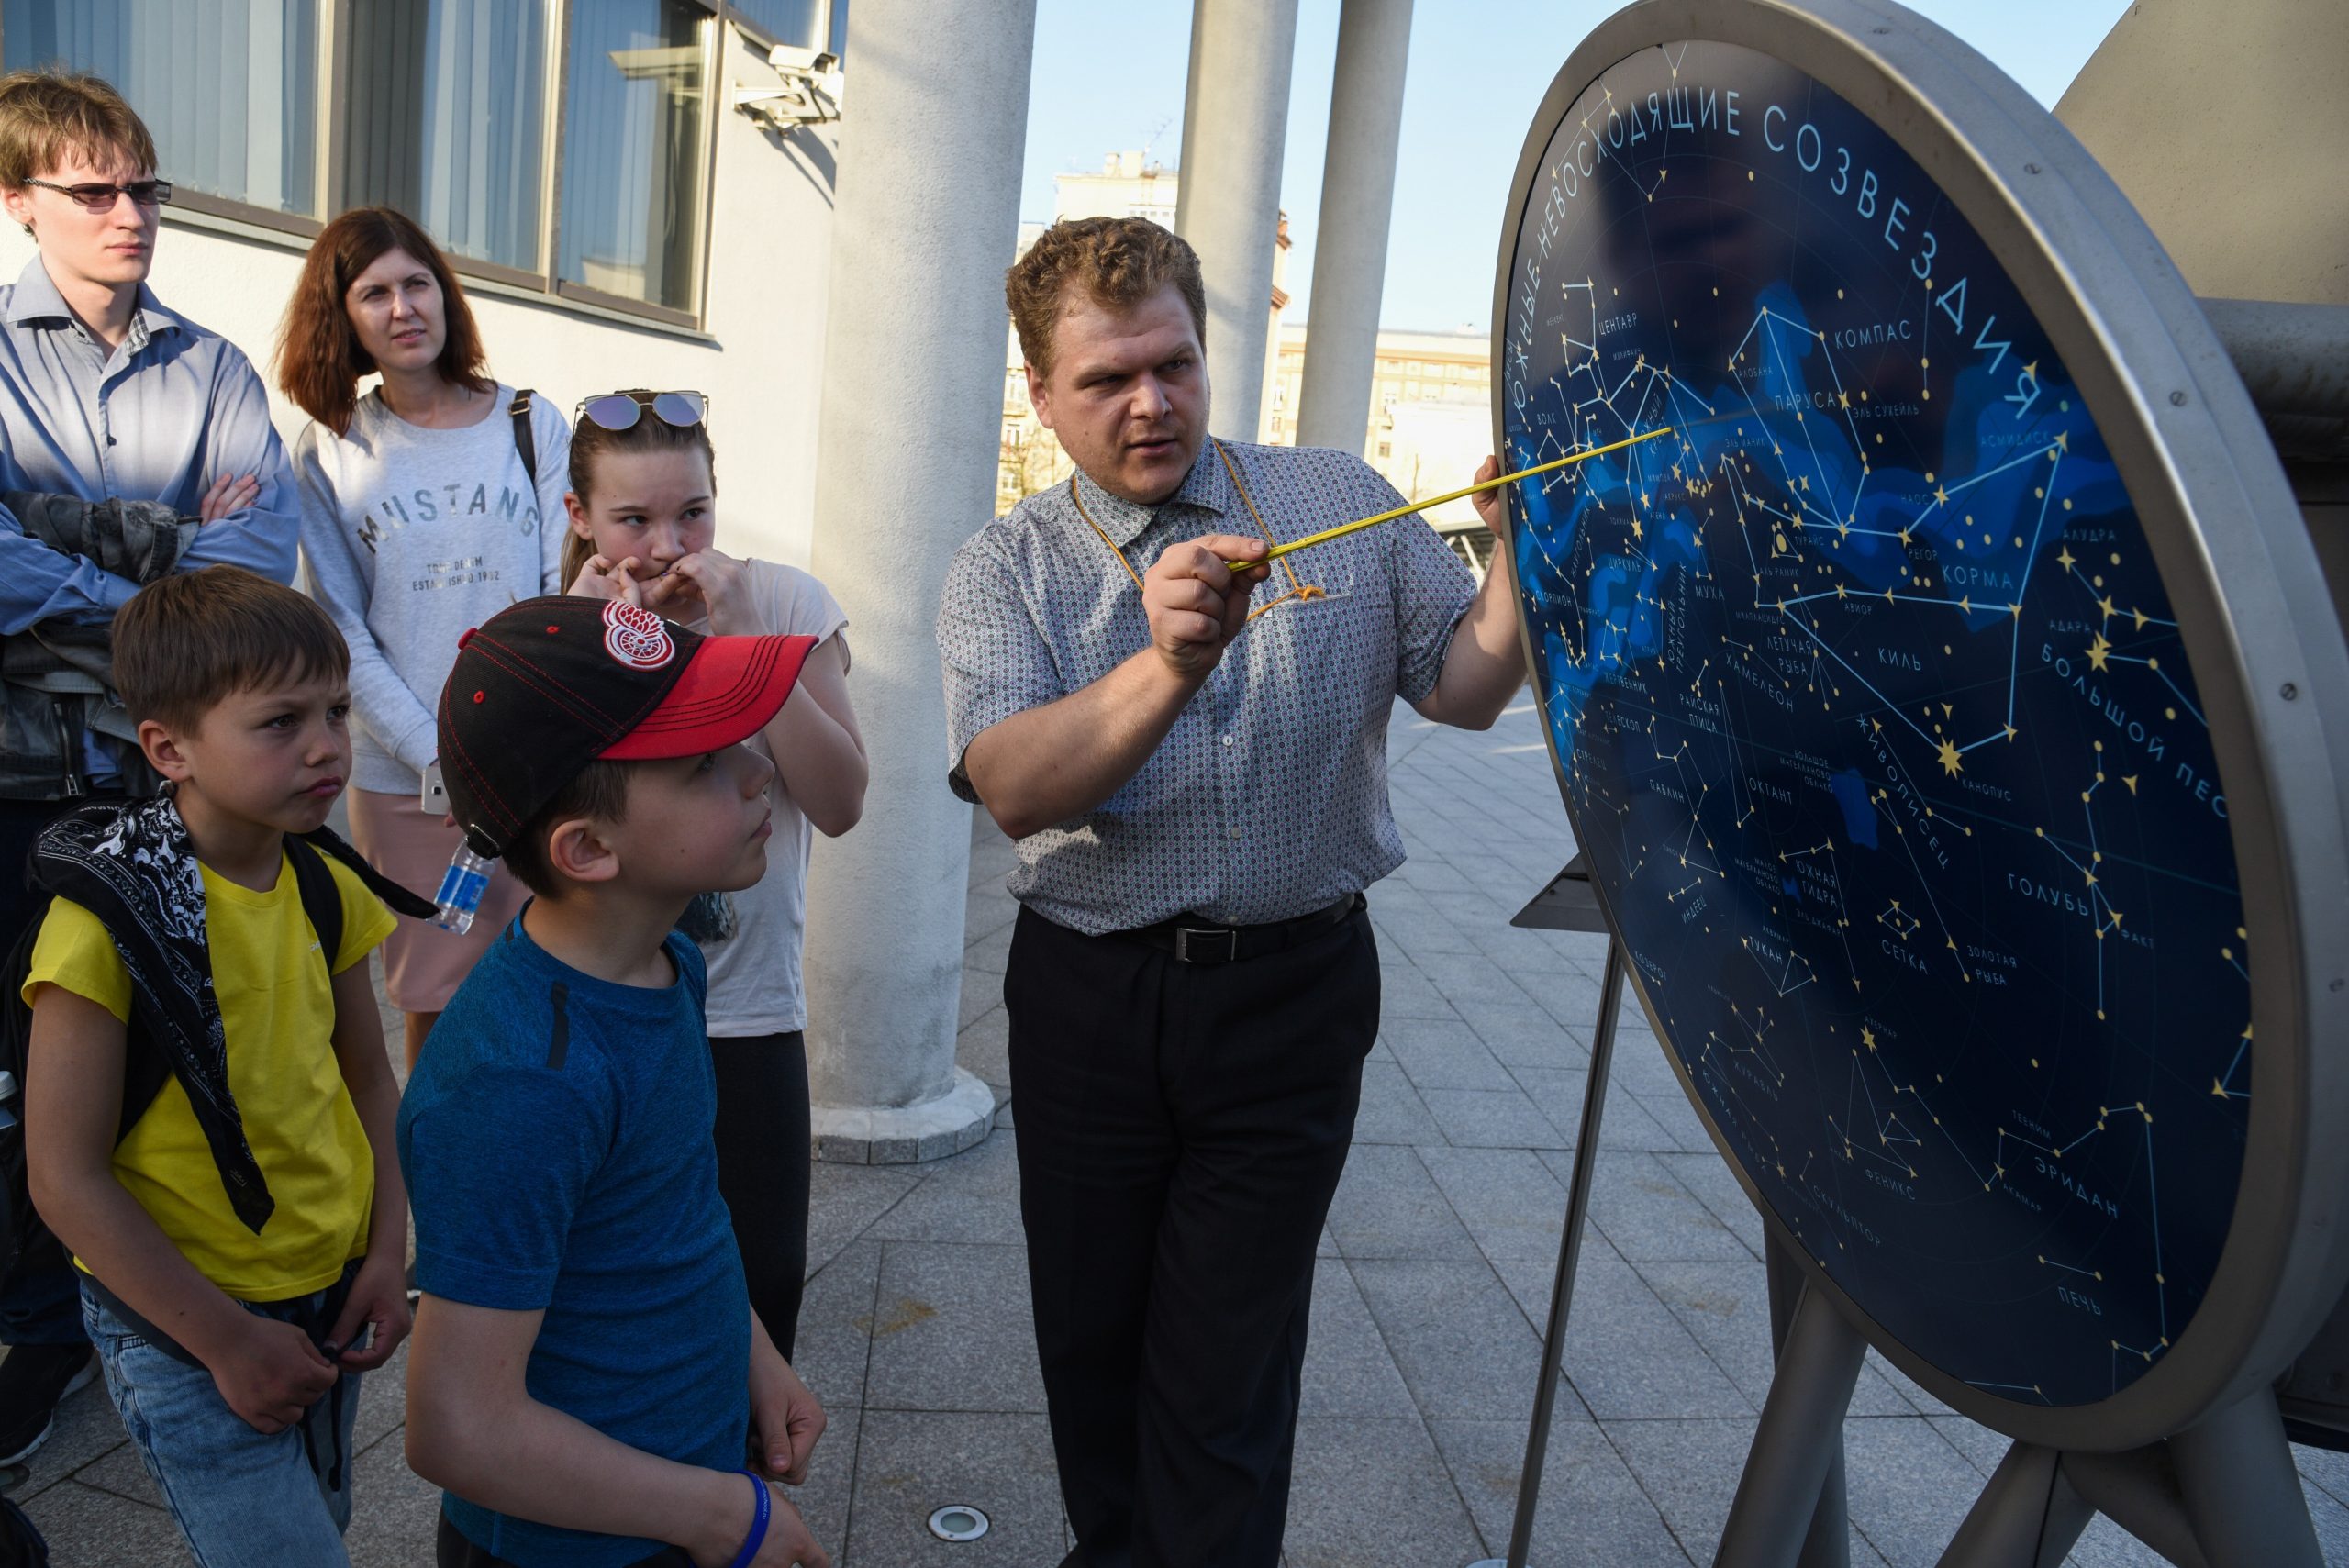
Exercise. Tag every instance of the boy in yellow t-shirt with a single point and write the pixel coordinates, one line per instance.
(241, 1231)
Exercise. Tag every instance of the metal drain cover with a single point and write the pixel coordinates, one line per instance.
(958, 1521)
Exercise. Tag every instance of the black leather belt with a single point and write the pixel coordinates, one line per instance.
(1191, 941)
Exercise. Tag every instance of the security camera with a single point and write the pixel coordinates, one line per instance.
(788, 60)
(810, 92)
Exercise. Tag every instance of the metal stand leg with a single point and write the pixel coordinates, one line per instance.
(2027, 1517)
(1562, 1289)
(2242, 1495)
(2223, 1494)
(2137, 1491)
(1797, 1443)
(1829, 1544)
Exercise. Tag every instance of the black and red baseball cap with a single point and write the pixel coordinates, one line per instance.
(545, 687)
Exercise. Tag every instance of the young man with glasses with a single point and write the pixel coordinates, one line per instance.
(1193, 760)
(133, 444)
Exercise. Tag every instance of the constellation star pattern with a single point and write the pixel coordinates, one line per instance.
(1873, 715)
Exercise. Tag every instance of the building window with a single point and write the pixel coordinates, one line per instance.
(446, 120)
(285, 112)
(799, 23)
(635, 150)
(230, 88)
(1387, 449)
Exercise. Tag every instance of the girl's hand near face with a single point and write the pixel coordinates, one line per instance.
(722, 584)
(604, 578)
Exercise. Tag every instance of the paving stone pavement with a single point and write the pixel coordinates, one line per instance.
(1433, 1281)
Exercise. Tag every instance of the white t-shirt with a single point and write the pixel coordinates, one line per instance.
(414, 536)
(754, 971)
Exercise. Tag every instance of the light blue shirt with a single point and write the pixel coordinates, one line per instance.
(1267, 799)
(158, 418)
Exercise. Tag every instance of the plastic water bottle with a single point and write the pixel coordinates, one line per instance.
(461, 887)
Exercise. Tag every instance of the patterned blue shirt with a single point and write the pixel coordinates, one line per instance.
(1268, 800)
(158, 418)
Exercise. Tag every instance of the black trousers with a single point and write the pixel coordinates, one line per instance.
(763, 1170)
(1182, 1129)
(39, 1302)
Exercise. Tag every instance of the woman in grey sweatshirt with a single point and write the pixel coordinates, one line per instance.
(427, 504)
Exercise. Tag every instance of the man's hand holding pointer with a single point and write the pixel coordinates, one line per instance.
(1197, 604)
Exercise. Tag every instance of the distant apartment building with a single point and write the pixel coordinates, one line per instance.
(1129, 185)
(1430, 409)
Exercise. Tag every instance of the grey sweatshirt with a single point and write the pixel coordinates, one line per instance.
(414, 536)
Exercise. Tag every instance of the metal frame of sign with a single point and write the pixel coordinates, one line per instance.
(2255, 616)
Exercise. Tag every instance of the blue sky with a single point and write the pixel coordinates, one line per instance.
(1111, 76)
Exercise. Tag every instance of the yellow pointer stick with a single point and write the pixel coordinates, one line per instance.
(1326, 535)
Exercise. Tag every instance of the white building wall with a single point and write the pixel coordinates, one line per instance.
(759, 356)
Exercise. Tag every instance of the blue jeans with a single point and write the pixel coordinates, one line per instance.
(243, 1500)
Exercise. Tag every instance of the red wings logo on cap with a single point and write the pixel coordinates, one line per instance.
(636, 637)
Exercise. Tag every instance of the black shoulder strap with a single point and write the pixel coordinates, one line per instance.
(401, 900)
(321, 900)
(525, 441)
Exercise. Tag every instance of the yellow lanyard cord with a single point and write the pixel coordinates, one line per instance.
(1297, 590)
(1089, 523)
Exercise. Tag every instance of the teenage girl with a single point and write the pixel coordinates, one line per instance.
(422, 515)
(644, 509)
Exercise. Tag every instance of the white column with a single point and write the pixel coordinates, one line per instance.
(1357, 207)
(925, 221)
(1235, 119)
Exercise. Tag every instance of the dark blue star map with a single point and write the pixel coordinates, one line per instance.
(1872, 715)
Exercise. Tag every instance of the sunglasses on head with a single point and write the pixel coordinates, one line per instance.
(95, 197)
(621, 410)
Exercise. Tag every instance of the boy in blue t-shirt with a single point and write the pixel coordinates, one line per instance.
(586, 1377)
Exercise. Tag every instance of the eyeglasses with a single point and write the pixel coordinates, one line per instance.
(100, 198)
(621, 410)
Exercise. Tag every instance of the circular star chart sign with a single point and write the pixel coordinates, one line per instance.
(1940, 705)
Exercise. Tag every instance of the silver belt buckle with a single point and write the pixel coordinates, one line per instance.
(1214, 945)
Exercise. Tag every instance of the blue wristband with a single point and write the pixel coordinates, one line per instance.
(758, 1522)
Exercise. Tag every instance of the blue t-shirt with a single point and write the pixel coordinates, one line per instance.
(556, 1139)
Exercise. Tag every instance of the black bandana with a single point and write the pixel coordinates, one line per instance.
(134, 868)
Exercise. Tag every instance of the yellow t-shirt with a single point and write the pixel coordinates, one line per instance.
(278, 1012)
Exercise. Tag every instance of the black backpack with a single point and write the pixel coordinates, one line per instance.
(146, 1069)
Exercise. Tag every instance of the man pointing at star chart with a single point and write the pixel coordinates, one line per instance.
(1194, 763)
